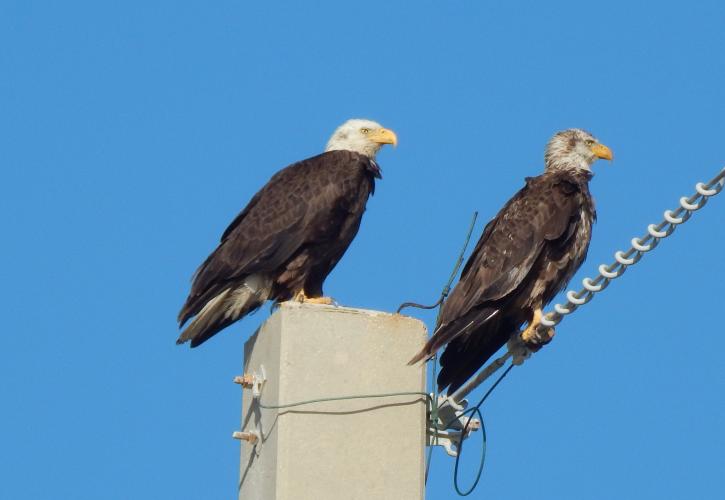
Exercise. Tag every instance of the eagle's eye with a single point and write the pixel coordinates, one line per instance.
(589, 142)
(364, 130)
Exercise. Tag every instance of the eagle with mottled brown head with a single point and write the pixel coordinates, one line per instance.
(290, 236)
(526, 255)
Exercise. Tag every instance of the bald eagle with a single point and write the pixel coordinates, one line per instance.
(525, 256)
(290, 235)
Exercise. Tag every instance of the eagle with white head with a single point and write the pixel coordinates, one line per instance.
(290, 235)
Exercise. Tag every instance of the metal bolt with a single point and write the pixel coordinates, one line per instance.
(246, 380)
(249, 437)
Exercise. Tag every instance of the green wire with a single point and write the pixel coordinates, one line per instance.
(434, 385)
(343, 398)
(476, 410)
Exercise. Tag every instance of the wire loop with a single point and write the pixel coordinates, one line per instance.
(641, 247)
(604, 271)
(700, 188)
(551, 319)
(669, 217)
(591, 287)
(691, 205)
(652, 230)
(476, 410)
(619, 257)
(561, 309)
(575, 299)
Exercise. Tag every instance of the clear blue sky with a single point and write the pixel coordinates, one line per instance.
(132, 132)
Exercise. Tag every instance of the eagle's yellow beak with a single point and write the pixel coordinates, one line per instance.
(384, 136)
(602, 151)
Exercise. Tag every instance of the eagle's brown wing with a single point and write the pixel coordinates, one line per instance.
(534, 219)
(540, 212)
(290, 211)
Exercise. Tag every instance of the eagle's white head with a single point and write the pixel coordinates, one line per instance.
(362, 136)
(574, 150)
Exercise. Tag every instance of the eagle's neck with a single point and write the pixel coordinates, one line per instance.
(367, 148)
(578, 170)
(569, 165)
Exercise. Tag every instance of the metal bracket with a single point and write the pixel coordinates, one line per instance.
(447, 430)
(254, 381)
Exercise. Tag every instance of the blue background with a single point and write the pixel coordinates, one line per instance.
(132, 132)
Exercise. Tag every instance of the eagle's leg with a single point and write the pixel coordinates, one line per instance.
(302, 297)
(531, 336)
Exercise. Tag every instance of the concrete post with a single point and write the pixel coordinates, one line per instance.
(354, 449)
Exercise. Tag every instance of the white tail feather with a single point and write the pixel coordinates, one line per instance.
(255, 290)
(229, 305)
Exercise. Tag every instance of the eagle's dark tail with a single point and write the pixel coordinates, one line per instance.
(471, 340)
(447, 332)
(443, 335)
(228, 306)
(464, 356)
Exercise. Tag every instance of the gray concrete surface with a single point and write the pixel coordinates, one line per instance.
(355, 449)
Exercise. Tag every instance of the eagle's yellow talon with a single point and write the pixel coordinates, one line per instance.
(530, 332)
(301, 297)
(531, 335)
(328, 301)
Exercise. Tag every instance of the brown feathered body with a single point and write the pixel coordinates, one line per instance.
(526, 255)
(288, 238)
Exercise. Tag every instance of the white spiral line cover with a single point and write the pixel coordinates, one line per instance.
(622, 260)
